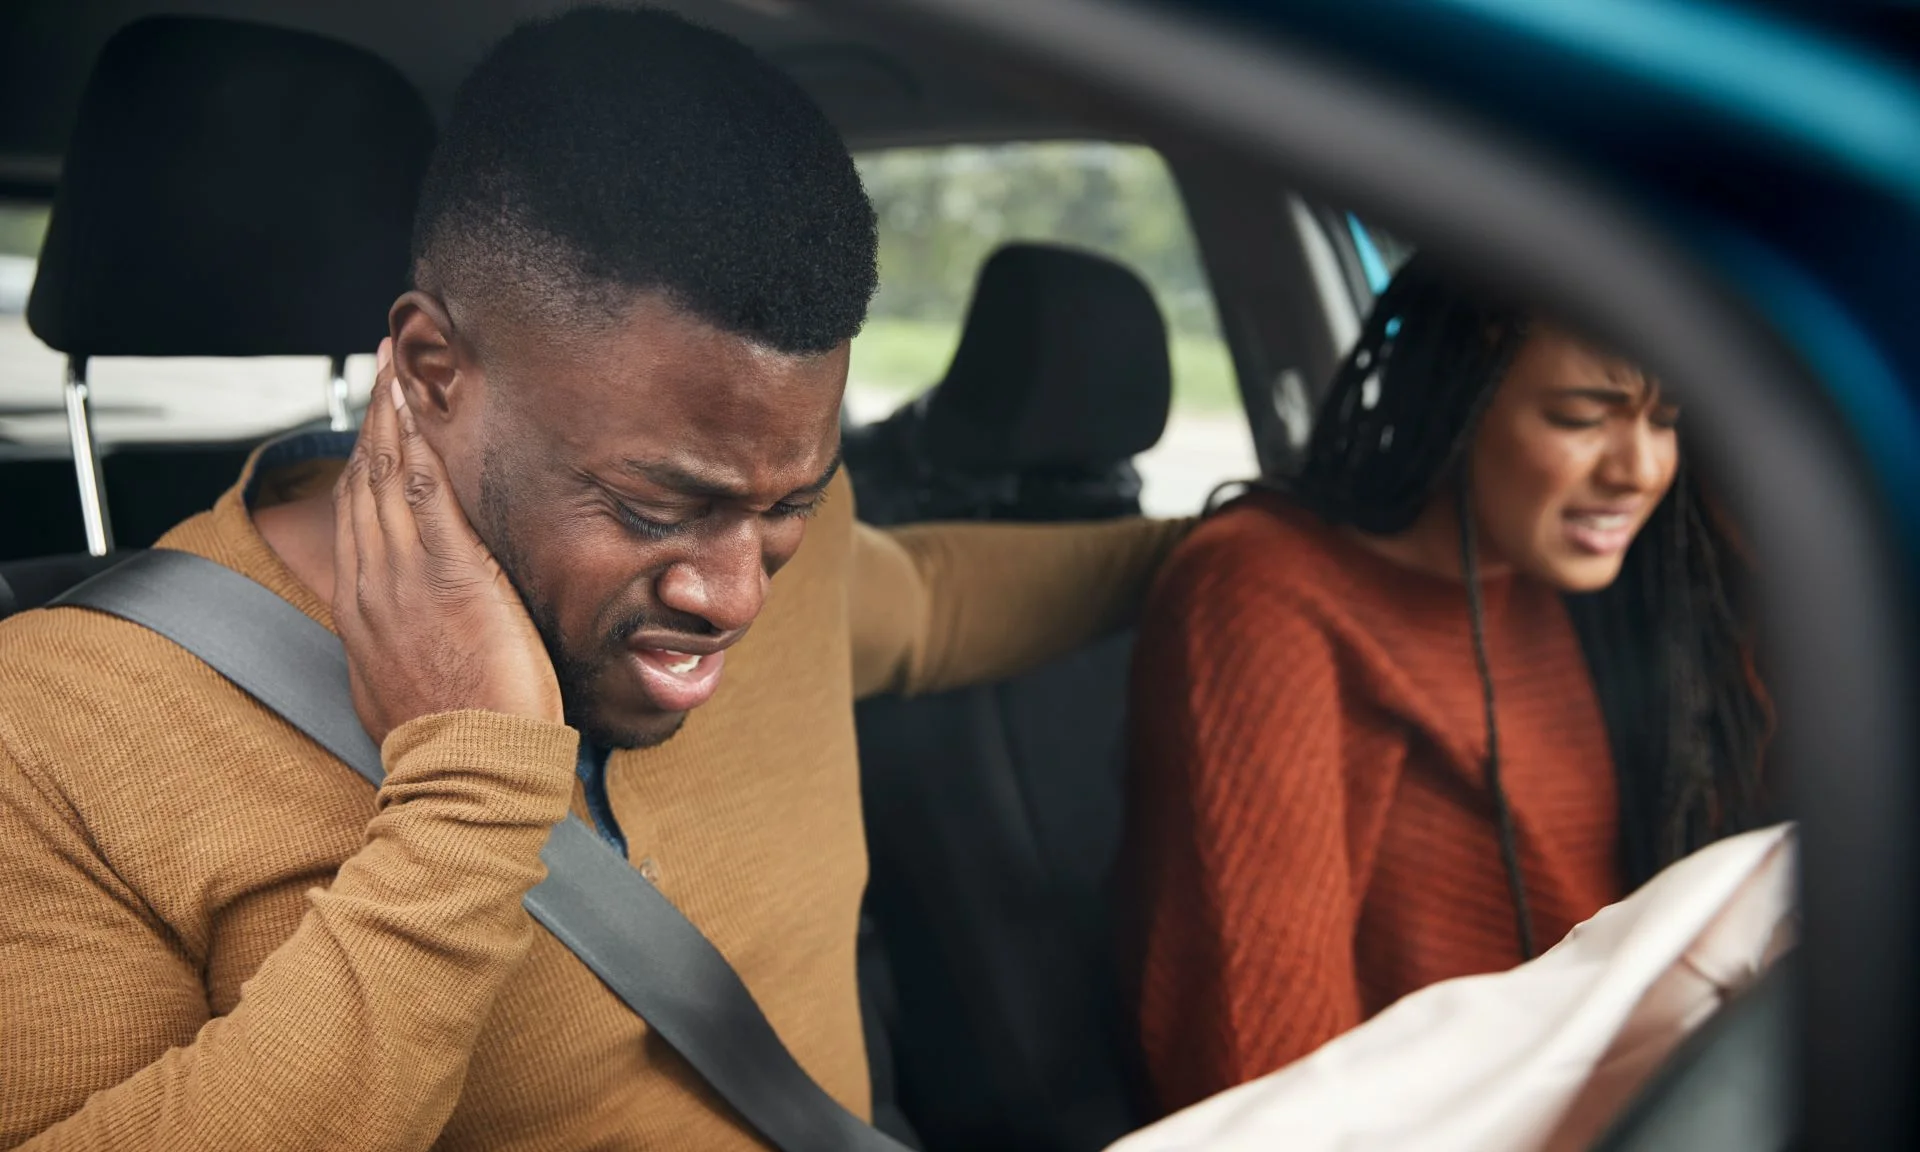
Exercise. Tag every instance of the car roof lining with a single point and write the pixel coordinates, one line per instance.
(877, 94)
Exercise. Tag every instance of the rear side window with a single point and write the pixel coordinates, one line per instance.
(943, 211)
(22, 228)
(29, 371)
(1379, 252)
(141, 399)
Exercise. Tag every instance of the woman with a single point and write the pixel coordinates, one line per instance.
(1473, 674)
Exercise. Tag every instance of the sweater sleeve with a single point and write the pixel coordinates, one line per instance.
(1244, 904)
(937, 606)
(354, 1033)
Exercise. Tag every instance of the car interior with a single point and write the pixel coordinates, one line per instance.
(997, 808)
(178, 190)
(238, 183)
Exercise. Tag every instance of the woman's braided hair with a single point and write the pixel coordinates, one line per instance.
(1667, 643)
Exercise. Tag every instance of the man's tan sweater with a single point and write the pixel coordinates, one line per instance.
(214, 935)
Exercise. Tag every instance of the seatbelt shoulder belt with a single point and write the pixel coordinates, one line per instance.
(619, 925)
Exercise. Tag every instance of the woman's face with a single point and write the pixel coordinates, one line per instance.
(1573, 454)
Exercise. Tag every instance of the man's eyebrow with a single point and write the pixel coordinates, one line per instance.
(686, 483)
(678, 480)
(826, 477)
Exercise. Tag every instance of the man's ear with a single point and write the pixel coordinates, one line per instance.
(433, 366)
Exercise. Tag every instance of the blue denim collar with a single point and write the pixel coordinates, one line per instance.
(296, 448)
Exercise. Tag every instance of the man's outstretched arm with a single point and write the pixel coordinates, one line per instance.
(936, 606)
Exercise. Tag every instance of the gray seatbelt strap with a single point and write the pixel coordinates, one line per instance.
(594, 902)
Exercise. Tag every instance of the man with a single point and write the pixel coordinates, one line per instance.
(566, 562)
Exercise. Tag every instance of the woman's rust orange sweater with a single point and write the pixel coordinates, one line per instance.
(1312, 836)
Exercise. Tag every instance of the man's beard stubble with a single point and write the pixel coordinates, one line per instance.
(576, 673)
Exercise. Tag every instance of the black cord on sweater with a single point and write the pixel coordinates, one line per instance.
(1502, 810)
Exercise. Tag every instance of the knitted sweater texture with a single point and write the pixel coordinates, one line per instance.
(215, 936)
(1312, 833)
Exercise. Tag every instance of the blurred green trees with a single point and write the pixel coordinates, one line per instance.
(943, 210)
(22, 228)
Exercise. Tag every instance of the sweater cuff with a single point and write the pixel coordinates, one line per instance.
(533, 757)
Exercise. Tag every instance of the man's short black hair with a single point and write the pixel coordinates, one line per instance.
(606, 152)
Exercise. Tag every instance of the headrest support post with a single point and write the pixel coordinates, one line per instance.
(339, 415)
(86, 459)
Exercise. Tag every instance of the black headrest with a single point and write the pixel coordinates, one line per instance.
(1063, 363)
(231, 190)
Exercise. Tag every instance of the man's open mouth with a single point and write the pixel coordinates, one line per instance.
(675, 680)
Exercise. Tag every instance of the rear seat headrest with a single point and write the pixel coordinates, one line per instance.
(231, 189)
(1063, 363)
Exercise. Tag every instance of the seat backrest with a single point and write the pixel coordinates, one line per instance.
(28, 584)
(994, 813)
(993, 820)
(150, 488)
(230, 189)
(39, 507)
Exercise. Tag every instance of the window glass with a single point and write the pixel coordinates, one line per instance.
(942, 211)
(22, 227)
(142, 399)
(1381, 253)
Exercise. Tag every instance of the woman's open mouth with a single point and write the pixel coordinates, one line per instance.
(1602, 533)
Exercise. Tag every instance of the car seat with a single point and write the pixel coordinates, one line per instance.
(994, 812)
(230, 189)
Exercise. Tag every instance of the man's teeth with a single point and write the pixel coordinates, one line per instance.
(683, 665)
